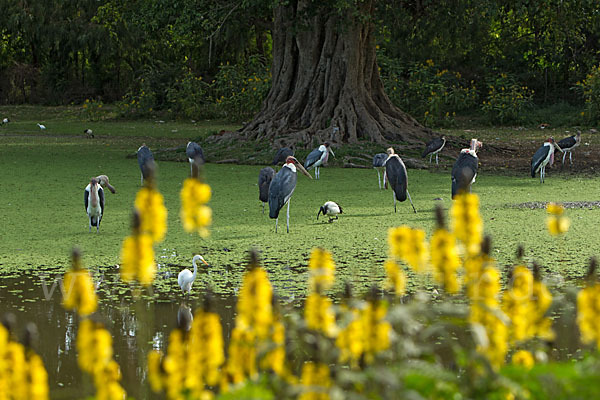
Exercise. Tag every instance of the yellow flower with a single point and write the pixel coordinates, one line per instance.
(206, 349)
(409, 245)
(195, 215)
(321, 269)
(319, 314)
(467, 224)
(316, 381)
(523, 358)
(153, 213)
(588, 314)
(396, 280)
(255, 309)
(557, 225)
(445, 260)
(78, 289)
(137, 259)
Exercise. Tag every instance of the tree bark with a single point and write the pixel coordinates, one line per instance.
(326, 84)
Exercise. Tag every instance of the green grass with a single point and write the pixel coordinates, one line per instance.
(41, 197)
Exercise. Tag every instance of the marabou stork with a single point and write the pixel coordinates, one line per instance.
(281, 155)
(330, 209)
(282, 187)
(194, 154)
(568, 144)
(145, 161)
(103, 182)
(379, 163)
(89, 133)
(318, 157)
(543, 156)
(465, 168)
(186, 278)
(265, 176)
(42, 127)
(434, 147)
(395, 174)
(93, 199)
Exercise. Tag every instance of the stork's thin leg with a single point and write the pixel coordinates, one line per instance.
(288, 217)
(394, 194)
(142, 179)
(276, 221)
(378, 176)
(571, 157)
(385, 179)
(430, 155)
(90, 230)
(564, 155)
(263, 208)
(191, 170)
(411, 203)
(437, 162)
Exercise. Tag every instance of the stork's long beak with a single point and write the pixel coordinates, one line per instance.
(110, 187)
(331, 151)
(558, 147)
(319, 213)
(303, 170)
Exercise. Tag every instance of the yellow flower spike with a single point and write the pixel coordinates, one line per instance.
(316, 380)
(588, 308)
(154, 371)
(445, 260)
(319, 314)
(466, 221)
(321, 270)
(137, 259)
(78, 288)
(523, 358)
(555, 209)
(396, 279)
(195, 215)
(408, 244)
(153, 213)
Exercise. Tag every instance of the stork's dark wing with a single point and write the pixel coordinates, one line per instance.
(379, 159)
(432, 146)
(281, 155)
(86, 197)
(144, 156)
(397, 177)
(280, 190)
(312, 157)
(265, 176)
(539, 156)
(194, 151)
(567, 142)
(463, 172)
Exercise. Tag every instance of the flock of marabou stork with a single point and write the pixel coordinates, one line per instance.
(276, 189)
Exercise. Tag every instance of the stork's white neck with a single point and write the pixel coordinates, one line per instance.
(291, 166)
(322, 148)
(471, 152)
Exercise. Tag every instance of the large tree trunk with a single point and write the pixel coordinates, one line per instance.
(326, 76)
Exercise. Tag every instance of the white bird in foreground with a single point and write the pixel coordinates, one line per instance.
(93, 199)
(330, 209)
(89, 133)
(5, 121)
(42, 127)
(186, 277)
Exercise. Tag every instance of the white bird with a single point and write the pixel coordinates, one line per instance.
(5, 121)
(317, 158)
(330, 209)
(42, 127)
(93, 199)
(186, 278)
(89, 133)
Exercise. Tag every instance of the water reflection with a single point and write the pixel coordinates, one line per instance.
(137, 325)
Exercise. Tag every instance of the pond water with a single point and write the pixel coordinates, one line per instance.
(137, 324)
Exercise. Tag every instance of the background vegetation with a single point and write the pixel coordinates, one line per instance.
(203, 59)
